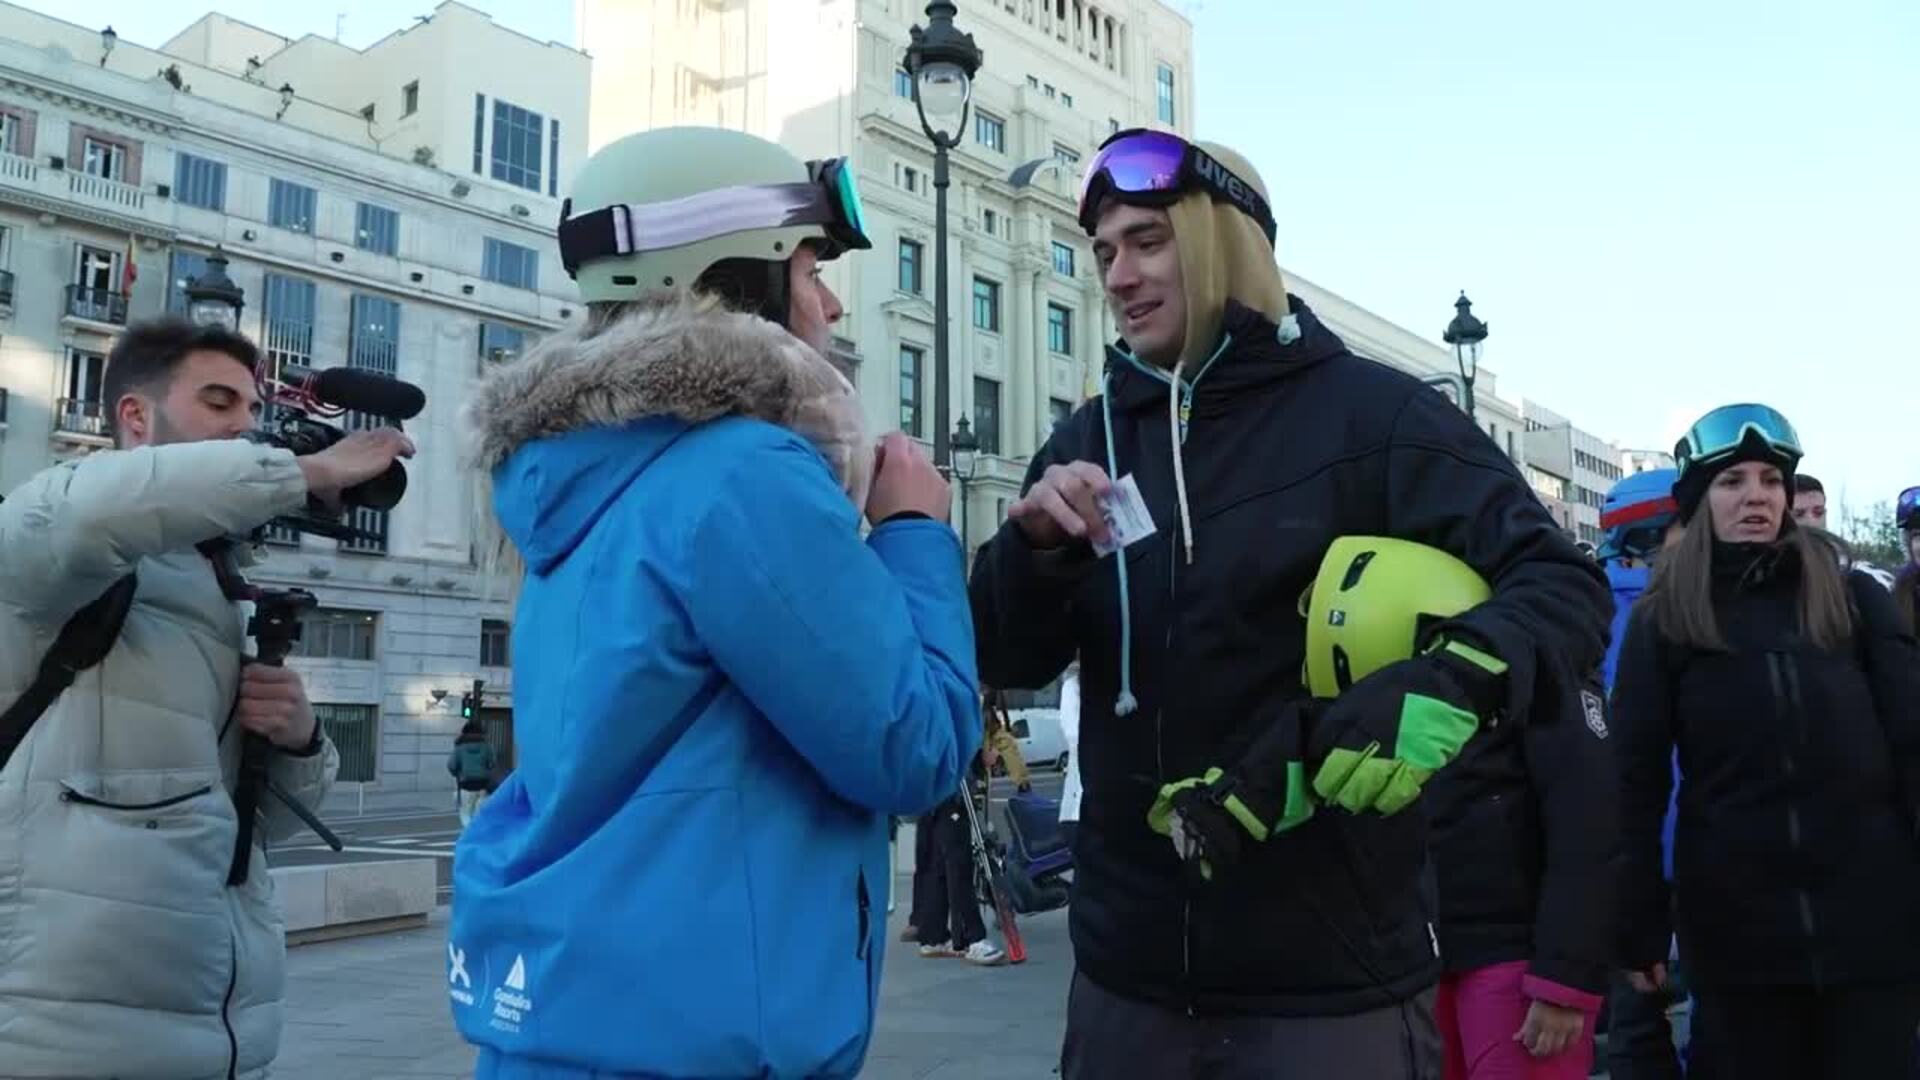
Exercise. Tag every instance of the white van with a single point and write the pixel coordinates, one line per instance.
(1034, 716)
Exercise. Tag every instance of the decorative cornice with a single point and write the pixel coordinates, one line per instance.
(106, 219)
(52, 95)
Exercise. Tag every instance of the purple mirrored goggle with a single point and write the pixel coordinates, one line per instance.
(1155, 168)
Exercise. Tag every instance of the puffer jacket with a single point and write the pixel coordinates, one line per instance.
(123, 951)
(1796, 860)
(721, 690)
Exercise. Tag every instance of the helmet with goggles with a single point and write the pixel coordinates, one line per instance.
(658, 209)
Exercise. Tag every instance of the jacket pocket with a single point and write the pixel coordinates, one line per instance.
(72, 795)
(124, 895)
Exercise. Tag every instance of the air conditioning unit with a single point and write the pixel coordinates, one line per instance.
(164, 191)
(56, 162)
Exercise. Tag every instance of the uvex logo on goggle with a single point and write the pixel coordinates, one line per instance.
(1242, 193)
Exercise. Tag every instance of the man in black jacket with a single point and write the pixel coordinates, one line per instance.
(1307, 950)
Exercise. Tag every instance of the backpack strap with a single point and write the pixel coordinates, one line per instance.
(83, 642)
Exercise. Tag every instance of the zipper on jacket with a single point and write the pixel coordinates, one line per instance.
(866, 916)
(1798, 714)
(1786, 696)
(226, 1021)
(1160, 767)
(67, 794)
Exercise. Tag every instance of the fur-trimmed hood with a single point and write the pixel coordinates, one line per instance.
(681, 359)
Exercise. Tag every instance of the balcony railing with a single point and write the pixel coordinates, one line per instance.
(6, 288)
(105, 190)
(99, 305)
(74, 416)
(15, 167)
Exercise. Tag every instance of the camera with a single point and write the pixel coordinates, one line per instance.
(298, 399)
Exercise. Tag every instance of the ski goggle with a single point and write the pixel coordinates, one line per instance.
(1155, 168)
(1906, 510)
(828, 199)
(1726, 430)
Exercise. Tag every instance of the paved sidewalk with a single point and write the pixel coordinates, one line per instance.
(376, 1007)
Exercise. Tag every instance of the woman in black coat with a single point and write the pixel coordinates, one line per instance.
(1791, 690)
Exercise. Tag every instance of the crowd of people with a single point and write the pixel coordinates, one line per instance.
(1377, 774)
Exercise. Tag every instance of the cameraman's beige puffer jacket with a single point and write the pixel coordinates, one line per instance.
(123, 952)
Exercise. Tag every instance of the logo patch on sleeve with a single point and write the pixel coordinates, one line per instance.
(1596, 711)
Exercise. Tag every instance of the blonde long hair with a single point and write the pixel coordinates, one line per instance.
(1681, 593)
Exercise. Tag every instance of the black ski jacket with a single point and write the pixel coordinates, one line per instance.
(1525, 831)
(1289, 446)
(1795, 856)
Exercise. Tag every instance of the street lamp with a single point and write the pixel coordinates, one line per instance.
(108, 39)
(966, 458)
(941, 61)
(212, 297)
(1467, 335)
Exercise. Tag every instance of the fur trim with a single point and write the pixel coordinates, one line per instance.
(680, 355)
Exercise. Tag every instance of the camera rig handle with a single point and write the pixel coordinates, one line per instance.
(274, 626)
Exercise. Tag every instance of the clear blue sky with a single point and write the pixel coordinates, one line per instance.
(1659, 207)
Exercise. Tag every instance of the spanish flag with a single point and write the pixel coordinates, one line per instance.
(129, 273)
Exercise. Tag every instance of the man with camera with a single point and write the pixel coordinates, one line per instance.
(123, 949)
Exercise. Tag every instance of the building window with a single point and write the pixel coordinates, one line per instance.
(1059, 329)
(199, 182)
(1033, 81)
(989, 221)
(354, 732)
(183, 268)
(910, 262)
(104, 159)
(907, 177)
(986, 304)
(80, 408)
(1163, 93)
(510, 264)
(912, 361)
(1050, 91)
(1512, 453)
(516, 145)
(13, 135)
(990, 131)
(287, 323)
(495, 635)
(1066, 99)
(1113, 126)
(501, 344)
(1061, 411)
(902, 83)
(479, 128)
(376, 229)
(553, 158)
(1062, 259)
(986, 414)
(374, 344)
(1066, 155)
(290, 206)
(336, 634)
(410, 98)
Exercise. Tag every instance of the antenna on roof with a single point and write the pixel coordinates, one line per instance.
(339, 22)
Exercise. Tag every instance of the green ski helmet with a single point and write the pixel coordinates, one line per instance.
(662, 208)
(1373, 601)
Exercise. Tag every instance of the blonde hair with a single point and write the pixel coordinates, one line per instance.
(1681, 593)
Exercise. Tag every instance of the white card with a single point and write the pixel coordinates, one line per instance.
(1126, 514)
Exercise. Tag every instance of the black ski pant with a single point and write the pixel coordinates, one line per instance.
(1796, 1033)
(951, 913)
(1639, 1035)
(925, 878)
(1112, 1036)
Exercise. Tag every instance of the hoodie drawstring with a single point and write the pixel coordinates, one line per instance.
(1126, 703)
(1179, 411)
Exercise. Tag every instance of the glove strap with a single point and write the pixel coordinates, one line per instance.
(1480, 673)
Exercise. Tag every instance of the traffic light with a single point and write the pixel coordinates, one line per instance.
(470, 701)
(466, 706)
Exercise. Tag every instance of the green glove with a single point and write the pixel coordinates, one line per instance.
(1211, 817)
(1381, 740)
